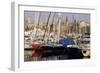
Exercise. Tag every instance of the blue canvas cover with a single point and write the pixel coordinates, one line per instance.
(66, 41)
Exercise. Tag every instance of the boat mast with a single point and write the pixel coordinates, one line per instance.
(59, 24)
(36, 26)
(46, 26)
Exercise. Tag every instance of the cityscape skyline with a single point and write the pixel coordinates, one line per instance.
(34, 16)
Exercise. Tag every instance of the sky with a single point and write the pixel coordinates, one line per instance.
(41, 16)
